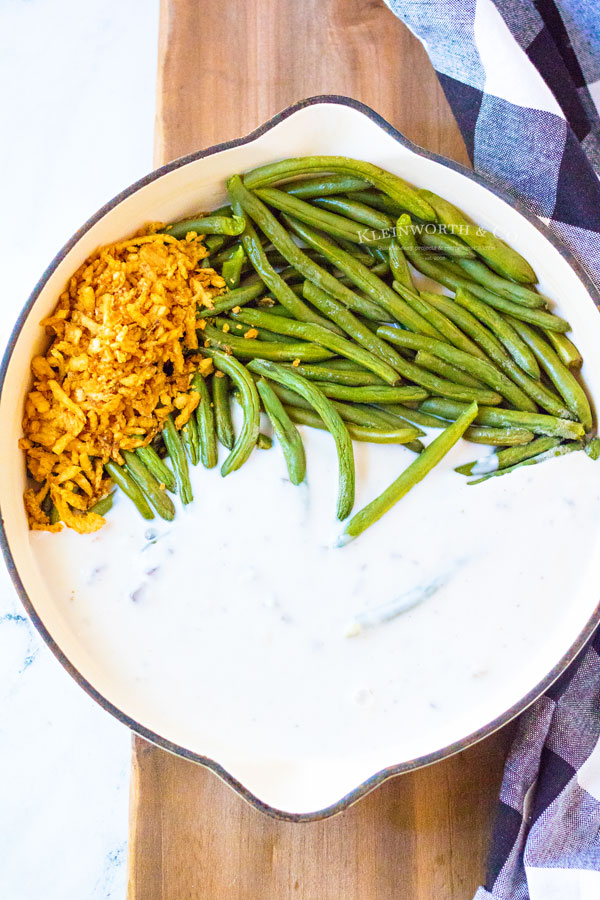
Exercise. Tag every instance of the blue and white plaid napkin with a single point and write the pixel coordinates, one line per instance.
(523, 80)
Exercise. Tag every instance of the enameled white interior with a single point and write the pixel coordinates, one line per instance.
(297, 725)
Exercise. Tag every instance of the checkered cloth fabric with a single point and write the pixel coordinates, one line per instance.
(523, 80)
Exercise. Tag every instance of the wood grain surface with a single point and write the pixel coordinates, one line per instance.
(420, 836)
(225, 67)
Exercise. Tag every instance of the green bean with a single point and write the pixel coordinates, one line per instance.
(380, 419)
(264, 442)
(157, 467)
(150, 486)
(479, 272)
(433, 383)
(354, 250)
(504, 458)
(383, 220)
(560, 376)
(411, 476)
(224, 210)
(276, 309)
(237, 329)
(465, 320)
(342, 364)
(566, 349)
(534, 316)
(176, 451)
(250, 402)
(363, 433)
(226, 253)
(440, 272)
(379, 269)
(274, 256)
(285, 431)
(322, 219)
(205, 424)
(592, 448)
(298, 258)
(349, 323)
(540, 423)
(377, 200)
(413, 415)
(358, 211)
(190, 440)
(332, 420)
(325, 185)
(447, 244)
(243, 201)
(130, 488)
(233, 225)
(560, 450)
(386, 414)
(253, 349)
(379, 254)
(528, 297)
(505, 332)
(442, 324)
(239, 297)
(232, 268)
(452, 276)
(47, 505)
(222, 411)
(214, 242)
(445, 274)
(399, 265)
(278, 261)
(288, 274)
(104, 505)
(357, 414)
(500, 437)
(373, 393)
(265, 335)
(324, 337)
(396, 188)
(323, 372)
(498, 255)
(446, 370)
(483, 371)
(363, 278)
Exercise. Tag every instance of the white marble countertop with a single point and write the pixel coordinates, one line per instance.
(78, 87)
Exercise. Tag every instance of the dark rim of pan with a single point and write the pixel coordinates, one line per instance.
(157, 739)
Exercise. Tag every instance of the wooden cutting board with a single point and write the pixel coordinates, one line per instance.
(225, 67)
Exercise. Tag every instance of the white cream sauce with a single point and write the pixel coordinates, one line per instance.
(227, 628)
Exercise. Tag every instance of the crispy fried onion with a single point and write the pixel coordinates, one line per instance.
(120, 360)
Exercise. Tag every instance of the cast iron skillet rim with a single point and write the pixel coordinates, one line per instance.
(135, 726)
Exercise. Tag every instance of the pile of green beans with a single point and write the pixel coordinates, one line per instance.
(325, 322)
